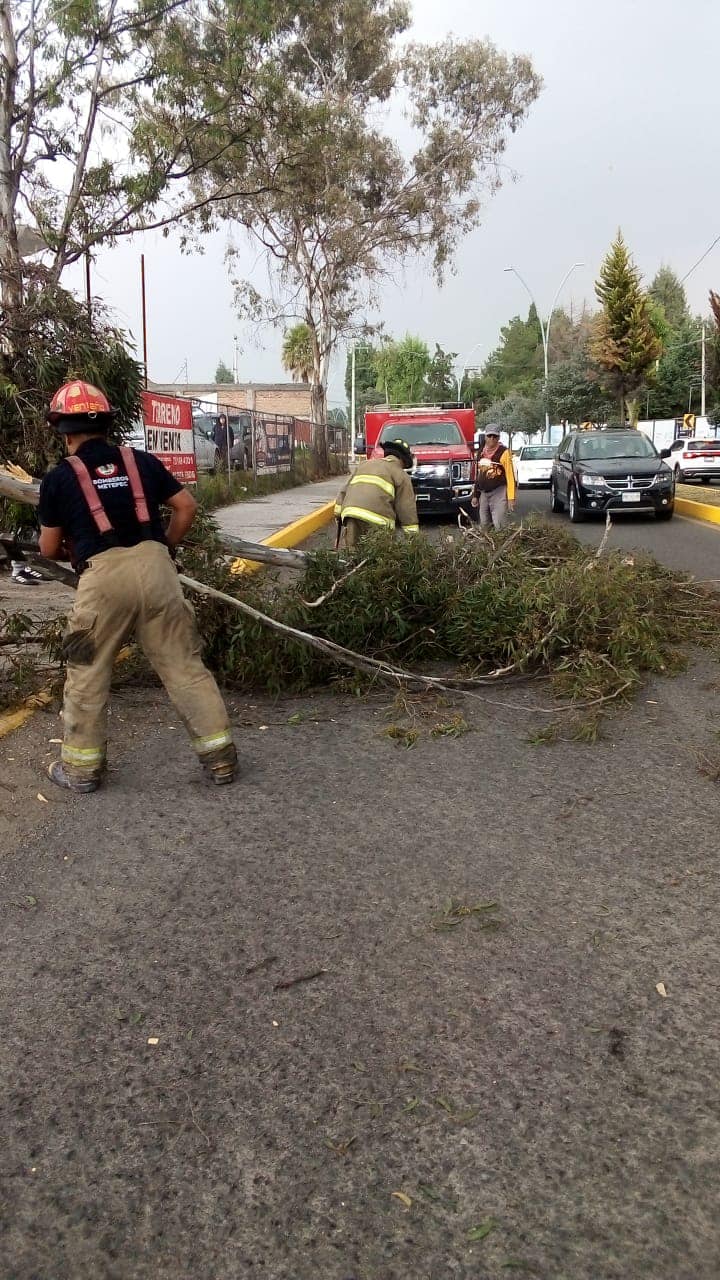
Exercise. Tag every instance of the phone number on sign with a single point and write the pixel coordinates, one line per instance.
(182, 465)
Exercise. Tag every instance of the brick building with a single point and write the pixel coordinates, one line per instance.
(262, 397)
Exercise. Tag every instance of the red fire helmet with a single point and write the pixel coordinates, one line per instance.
(79, 398)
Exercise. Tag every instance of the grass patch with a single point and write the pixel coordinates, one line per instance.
(222, 490)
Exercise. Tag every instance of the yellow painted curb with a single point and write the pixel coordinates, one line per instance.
(698, 510)
(291, 536)
(11, 720)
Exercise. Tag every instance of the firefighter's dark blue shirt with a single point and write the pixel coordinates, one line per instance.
(62, 505)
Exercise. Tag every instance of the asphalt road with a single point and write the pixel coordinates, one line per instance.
(680, 543)
(242, 1037)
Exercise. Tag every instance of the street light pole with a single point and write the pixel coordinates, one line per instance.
(545, 328)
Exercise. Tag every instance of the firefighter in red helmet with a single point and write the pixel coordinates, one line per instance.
(101, 505)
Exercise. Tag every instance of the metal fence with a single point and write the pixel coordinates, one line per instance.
(264, 443)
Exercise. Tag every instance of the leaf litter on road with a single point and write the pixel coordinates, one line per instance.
(455, 912)
(482, 1230)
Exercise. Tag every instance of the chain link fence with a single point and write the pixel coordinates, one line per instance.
(264, 443)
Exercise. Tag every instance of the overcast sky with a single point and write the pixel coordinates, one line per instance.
(623, 134)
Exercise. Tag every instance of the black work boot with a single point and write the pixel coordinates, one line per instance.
(57, 774)
(221, 765)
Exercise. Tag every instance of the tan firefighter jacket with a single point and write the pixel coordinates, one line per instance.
(380, 493)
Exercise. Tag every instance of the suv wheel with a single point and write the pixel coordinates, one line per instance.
(679, 477)
(575, 511)
(556, 503)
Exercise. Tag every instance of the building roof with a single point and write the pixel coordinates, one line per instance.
(194, 388)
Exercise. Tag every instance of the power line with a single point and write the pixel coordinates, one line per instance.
(702, 259)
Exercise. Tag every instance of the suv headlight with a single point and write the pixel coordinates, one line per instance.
(589, 481)
(430, 469)
(663, 477)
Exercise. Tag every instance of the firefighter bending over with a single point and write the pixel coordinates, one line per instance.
(101, 505)
(379, 495)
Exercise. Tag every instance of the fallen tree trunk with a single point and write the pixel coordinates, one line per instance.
(20, 491)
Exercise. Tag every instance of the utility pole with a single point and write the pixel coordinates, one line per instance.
(352, 403)
(144, 315)
(702, 375)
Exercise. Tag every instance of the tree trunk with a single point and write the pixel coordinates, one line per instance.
(318, 406)
(11, 287)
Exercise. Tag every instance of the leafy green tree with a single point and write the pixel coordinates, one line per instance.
(78, 161)
(49, 341)
(516, 412)
(440, 380)
(223, 374)
(337, 203)
(677, 371)
(297, 355)
(366, 392)
(402, 369)
(667, 291)
(625, 345)
(517, 363)
(478, 391)
(574, 395)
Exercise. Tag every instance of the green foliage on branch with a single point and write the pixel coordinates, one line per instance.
(49, 341)
(535, 600)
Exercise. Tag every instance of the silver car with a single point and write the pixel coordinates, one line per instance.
(207, 455)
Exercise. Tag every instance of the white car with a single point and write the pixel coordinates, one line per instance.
(533, 465)
(694, 459)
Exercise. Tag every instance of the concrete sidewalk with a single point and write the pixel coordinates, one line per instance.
(259, 518)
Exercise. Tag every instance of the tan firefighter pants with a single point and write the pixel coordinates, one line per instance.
(126, 591)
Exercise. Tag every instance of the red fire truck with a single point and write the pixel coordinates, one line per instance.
(441, 440)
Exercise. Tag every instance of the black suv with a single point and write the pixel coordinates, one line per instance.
(599, 471)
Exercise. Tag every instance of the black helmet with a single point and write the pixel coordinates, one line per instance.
(398, 449)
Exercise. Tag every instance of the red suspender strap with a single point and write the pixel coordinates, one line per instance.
(136, 485)
(89, 492)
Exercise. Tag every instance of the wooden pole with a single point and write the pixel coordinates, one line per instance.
(144, 316)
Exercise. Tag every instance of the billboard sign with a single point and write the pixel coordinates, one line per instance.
(273, 446)
(169, 434)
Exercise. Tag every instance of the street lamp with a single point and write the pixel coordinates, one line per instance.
(545, 327)
(464, 367)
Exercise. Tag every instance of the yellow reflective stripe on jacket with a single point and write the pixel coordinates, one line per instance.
(82, 755)
(370, 517)
(212, 742)
(411, 528)
(386, 485)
